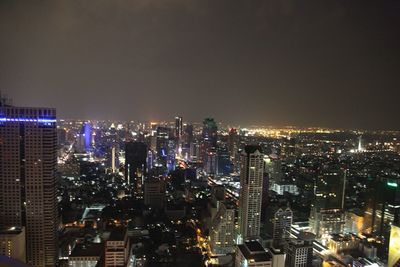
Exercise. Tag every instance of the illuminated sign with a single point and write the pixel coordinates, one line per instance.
(392, 184)
(394, 247)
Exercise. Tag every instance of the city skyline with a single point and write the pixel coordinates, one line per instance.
(201, 133)
(314, 63)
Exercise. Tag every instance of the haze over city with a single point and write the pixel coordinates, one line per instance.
(308, 63)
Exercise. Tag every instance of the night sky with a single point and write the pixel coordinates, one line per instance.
(333, 63)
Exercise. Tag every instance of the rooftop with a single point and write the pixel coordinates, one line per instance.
(253, 250)
(250, 149)
(258, 256)
(11, 231)
(117, 234)
(87, 250)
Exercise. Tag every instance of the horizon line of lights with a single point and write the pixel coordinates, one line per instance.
(3, 119)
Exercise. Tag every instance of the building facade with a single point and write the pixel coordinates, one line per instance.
(250, 198)
(28, 158)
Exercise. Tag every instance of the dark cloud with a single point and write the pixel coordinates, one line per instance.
(330, 63)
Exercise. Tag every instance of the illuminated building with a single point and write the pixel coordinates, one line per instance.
(224, 165)
(210, 132)
(194, 151)
(12, 243)
(278, 257)
(178, 127)
(189, 134)
(252, 254)
(327, 216)
(154, 193)
(337, 243)
(209, 135)
(28, 158)
(116, 249)
(211, 163)
(162, 145)
(281, 188)
(300, 251)
(85, 255)
(222, 239)
(135, 165)
(282, 224)
(233, 140)
(385, 205)
(394, 247)
(250, 197)
(273, 167)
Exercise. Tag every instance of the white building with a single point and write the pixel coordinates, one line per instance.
(222, 239)
(250, 198)
(280, 189)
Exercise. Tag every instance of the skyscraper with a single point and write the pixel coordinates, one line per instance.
(300, 251)
(250, 198)
(233, 143)
(282, 224)
(327, 215)
(135, 165)
(222, 239)
(178, 127)
(209, 135)
(28, 157)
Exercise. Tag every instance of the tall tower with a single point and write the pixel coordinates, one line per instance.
(28, 154)
(136, 165)
(250, 198)
(327, 215)
(178, 127)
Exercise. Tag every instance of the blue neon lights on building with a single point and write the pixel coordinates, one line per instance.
(5, 119)
(88, 134)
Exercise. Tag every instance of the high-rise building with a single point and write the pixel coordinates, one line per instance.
(282, 224)
(210, 131)
(327, 216)
(28, 158)
(222, 239)
(154, 193)
(85, 255)
(178, 127)
(250, 197)
(136, 165)
(233, 139)
(209, 135)
(300, 251)
(211, 163)
(189, 133)
(252, 254)
(162, 145)
(116, 249)
(278, 257)
(12, 243)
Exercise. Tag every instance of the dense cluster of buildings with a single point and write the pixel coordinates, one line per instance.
(99, 193)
